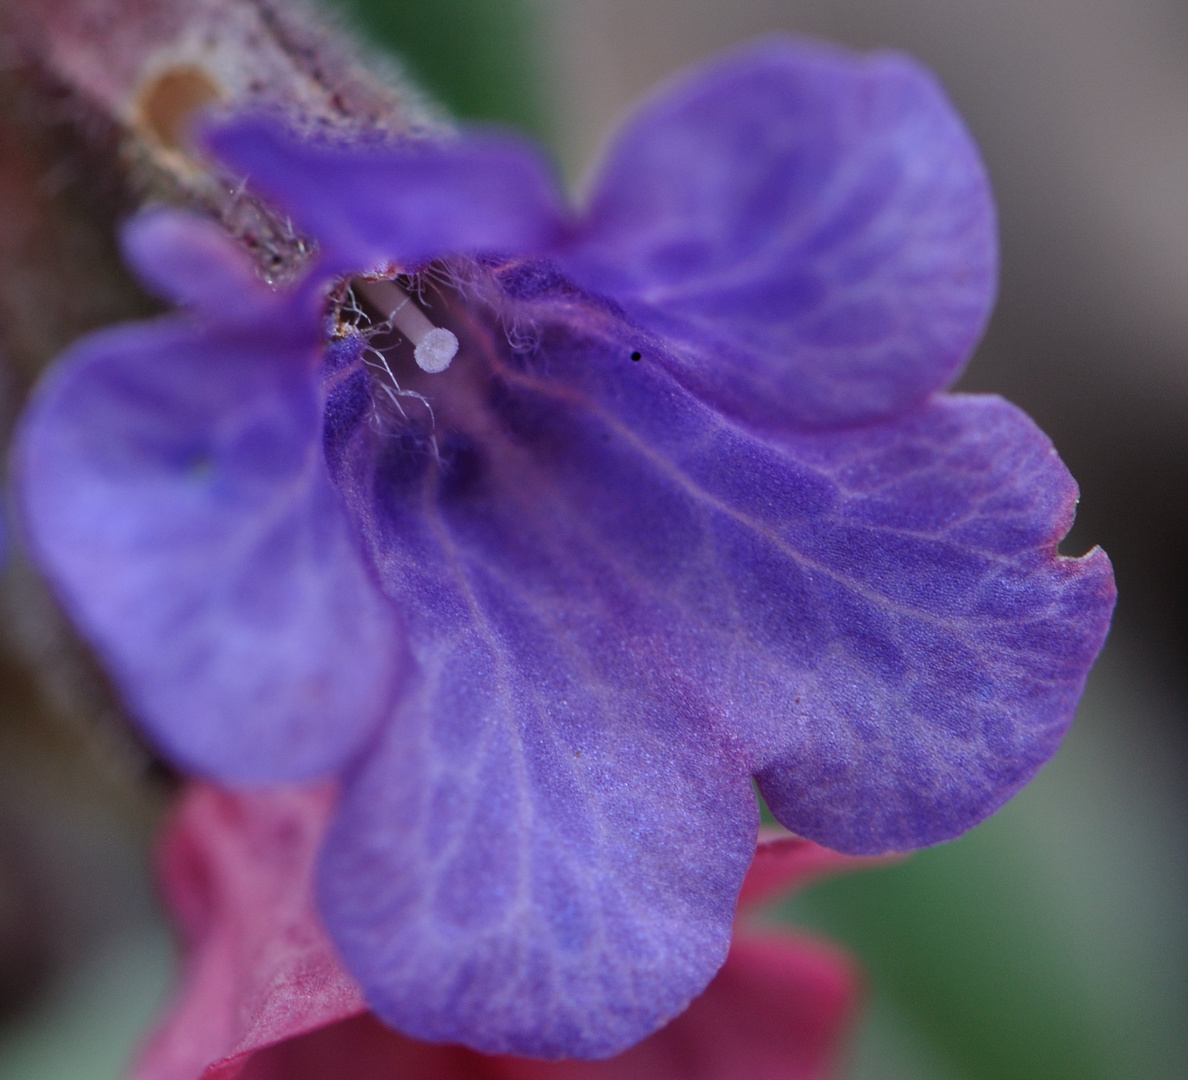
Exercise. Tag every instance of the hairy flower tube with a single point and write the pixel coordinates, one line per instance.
(685, 510)
(264, 997)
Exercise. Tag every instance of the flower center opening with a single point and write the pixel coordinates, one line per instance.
(434, 347)
(430, 350)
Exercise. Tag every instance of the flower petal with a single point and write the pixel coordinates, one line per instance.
(952, 641)
(814, 229)
(622, 607)
(370, 206)
(510, 867)
(878, 616)
(529, 877)
(176, 495)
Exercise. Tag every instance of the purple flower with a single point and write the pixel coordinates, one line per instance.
(688, 508)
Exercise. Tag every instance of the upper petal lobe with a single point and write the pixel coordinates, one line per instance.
(812, 230)
(407, 203)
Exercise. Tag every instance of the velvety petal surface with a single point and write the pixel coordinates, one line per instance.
(811, 228)
(264, 997)
(175, 493)
(952, 641)
(540, 797)
(372, 206)
(551, 899)
(622, 607)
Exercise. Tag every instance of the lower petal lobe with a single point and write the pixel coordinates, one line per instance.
(960, 640)
(525, 877)
(622, 607)
(175, 493)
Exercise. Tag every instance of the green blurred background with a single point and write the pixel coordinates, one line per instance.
(1052, 942)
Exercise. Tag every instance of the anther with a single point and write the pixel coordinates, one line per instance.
(433, 346)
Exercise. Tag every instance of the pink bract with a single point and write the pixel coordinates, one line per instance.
(265, 997)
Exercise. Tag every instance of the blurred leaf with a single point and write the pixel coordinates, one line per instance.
(90, 1025)
(888, 1047)
(1047, 944)
(951, 939)
(477, 57)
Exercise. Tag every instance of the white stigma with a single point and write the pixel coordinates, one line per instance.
(435, 351)
(433, 346)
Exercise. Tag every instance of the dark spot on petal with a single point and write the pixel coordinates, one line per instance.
(637, 356)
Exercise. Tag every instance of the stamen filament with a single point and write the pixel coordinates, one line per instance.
(433, 346)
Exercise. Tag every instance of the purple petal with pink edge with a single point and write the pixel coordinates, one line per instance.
(812, 230)
(175, 493)
(623, 606)
(963, 639)
(373, 205)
